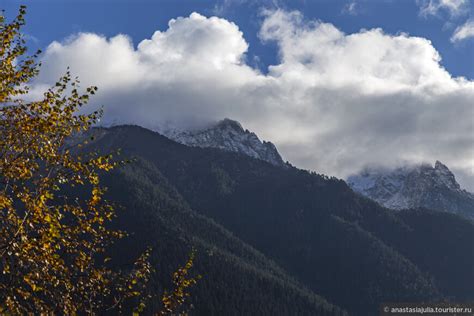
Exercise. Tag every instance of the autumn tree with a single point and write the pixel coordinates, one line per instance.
(51, 240)
(174, 300)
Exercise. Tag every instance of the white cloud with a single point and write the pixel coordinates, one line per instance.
(453, 7)
(375, 62)
(333, 103)
(197, 38)
(350, 8)
(463, 32)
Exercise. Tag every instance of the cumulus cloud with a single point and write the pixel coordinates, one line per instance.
(184, 75)
(334, 102)
(464, 31)
(434, 7)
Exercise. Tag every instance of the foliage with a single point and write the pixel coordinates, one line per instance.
(50, 240)
(175, 299)
(15, 70)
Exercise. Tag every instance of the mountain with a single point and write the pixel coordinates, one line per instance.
(433, 187)
(250, 219)
(228, 135)
(236, 278)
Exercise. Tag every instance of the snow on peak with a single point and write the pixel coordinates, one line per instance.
(228, 135)
(414, 186)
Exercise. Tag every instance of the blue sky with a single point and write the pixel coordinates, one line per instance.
(50, 20)
(336, 85)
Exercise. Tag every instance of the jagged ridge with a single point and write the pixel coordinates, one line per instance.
(228, 135)
(415, 186)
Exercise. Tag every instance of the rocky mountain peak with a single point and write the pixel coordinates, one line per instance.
(440, 166)
(422, 185)
(439, 175)
(228, 135)
(229, 124)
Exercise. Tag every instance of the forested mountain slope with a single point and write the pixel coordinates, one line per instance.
(339, 244)
(236, 279)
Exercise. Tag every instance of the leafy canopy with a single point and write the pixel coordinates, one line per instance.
(49, 239)
(53, 214)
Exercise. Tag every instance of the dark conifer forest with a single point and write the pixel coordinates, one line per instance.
(278, 241)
